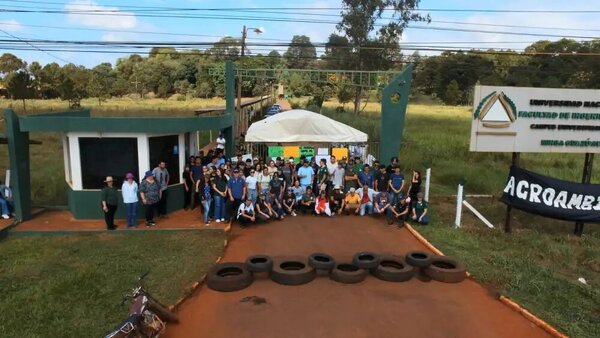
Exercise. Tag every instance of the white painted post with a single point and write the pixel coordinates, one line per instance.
(459, 199)
(7, 178)
(427, 183)
(478, 214)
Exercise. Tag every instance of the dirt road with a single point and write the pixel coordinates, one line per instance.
(324, 308)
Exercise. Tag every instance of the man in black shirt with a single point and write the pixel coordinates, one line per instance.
(336, 200)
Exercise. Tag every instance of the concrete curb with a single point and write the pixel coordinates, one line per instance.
(504, 300)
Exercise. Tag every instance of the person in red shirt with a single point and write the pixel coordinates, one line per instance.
(322, 205)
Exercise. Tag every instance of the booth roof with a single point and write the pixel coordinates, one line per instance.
(299, 125)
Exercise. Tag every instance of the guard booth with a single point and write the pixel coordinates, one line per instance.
(96, 147)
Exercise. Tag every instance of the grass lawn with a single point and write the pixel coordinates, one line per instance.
(72, 286)
(537, 265)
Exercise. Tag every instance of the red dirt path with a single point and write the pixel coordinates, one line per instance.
(324, 308)
(61, 220)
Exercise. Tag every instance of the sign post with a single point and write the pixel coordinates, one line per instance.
(587, 177)
(459, 200)
(427, 182)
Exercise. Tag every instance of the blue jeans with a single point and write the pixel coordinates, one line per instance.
(253, 195)
(219, 207)
(366, 208)
(395, 197)
(131, 212)
(7, 206)
(425, 219)
(207, 202)
(388, 213)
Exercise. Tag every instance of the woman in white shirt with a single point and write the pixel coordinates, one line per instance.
(272, 168)
(221, 142)
(252, 186)
(264, 181)
(129, 190)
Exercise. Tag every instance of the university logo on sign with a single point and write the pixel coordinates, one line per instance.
(496, 111)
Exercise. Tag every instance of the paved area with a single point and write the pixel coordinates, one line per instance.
(62, 220)
(323, 308)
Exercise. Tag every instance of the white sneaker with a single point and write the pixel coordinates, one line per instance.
(5, 216)
(222, 219)
(218, 221)
(294, 214)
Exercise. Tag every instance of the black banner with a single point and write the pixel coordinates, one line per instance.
(550, 197)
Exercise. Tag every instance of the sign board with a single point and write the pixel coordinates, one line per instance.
(551, 197)
(535, 120)
(307, 152)
(291, 151)
(339, 152)
(275, 151)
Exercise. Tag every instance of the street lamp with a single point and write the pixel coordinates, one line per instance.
(242, 121)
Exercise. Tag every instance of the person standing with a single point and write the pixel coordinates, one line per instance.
(396, 184)
(381, 180)
(221, 142)
(129, 190)
(7, 204)
(252, 185)
(264, 181)
(161, 176)
(322, 176)
(195, 175)
(332, 166)
(338, 176)
(350, 179)
(306, 175)
(110, 201)
(188, 187)
(288, 173)
(220, 195)
(150, 193)
(205, 191)
(236, 189)
(366, 178)
(415, 185)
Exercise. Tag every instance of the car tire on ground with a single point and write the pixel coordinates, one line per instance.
(393, 269)
(366, 260)
(348, 273)
(419, 259)
(292, 271)
(446, 270)
(321, 261)
(228, 277)
(259, 263)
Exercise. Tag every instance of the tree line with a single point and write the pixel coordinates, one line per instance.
(449, 76)
(359, 44)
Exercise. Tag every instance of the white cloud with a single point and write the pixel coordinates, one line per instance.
(10, 25)
(115, 18)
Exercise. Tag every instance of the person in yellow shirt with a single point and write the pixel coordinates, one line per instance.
(351, 202)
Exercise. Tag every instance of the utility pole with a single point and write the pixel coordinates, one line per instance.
(238, 117)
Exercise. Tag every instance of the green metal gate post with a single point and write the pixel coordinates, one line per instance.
(230, 131)
(18, 153)
(393, 112)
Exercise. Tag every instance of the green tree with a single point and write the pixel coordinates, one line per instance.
(74, 84)
(300, 53)
(453, 93)
(9, 63)
(20, 86)
(358, 22)
(204, 90)
(228, 48)
(298, 84)
(344, 95)
(273, 59)
(102, 81)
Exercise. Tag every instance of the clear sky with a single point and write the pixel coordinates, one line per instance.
(76, 26)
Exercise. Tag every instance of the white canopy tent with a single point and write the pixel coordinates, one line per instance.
(297, 125)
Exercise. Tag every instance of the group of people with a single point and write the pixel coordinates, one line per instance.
(329, 188)
(253, 190)
(152, 191)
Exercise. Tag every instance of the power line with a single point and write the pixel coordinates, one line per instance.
(481, 10)
(39, 49)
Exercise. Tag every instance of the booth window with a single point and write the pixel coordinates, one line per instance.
(109, 156)
(166, 148)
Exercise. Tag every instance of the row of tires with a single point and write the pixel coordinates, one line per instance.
(228, 277)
